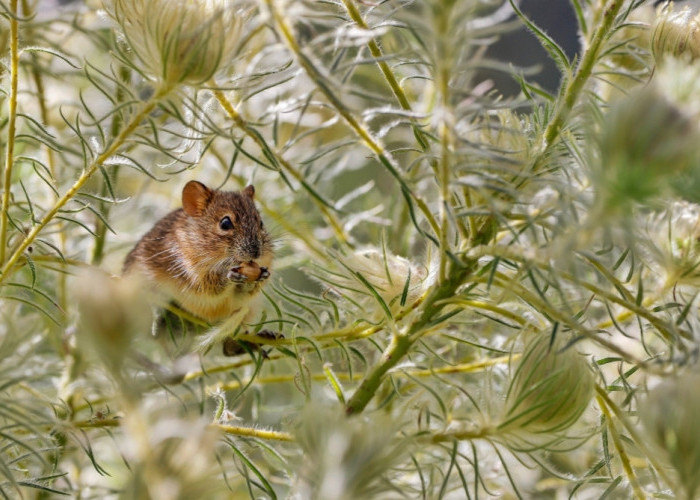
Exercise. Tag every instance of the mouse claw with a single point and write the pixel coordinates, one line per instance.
(264, 274)
(234, 274)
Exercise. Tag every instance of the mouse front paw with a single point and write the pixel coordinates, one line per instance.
(264, 274)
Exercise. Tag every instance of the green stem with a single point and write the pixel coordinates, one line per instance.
(444, 177)
(583, 73)
(638, 439)
(376, 52)
(12, 126)
(482, 433)
(101, 227)
(397, 349)
(253, 432)
(401, 344)
(622, 453)
(80, 182)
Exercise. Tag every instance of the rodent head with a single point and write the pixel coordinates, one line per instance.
(226, 225)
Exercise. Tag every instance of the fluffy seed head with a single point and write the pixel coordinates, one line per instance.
(645, 141)
(675, 32)
(183, 42)
(388, 275)
(112, 312)
(669, 415)
(550, 390)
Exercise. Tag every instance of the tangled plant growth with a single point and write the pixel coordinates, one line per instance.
(479, 296)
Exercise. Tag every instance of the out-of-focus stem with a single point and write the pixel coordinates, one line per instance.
(622, 453)
(238, 430)
(482, 433)
(444, 179)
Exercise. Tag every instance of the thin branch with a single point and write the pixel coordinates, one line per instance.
(11, 128)
(570, 96)
(624, 458)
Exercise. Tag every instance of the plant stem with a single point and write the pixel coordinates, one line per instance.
(135, 121)
(402, 343)
(475, 366)
(638, 440)
(397, 349)
(376, 52)
(624, 458)
(461, 435)
(12, 126)
(444, 178)
(583, 73)
(116, 125)
(238, 430)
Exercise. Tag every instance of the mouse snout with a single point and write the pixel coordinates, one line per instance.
(252, 249)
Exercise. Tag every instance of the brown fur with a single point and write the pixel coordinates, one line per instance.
(189, 257)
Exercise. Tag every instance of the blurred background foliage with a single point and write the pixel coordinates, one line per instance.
(485, 277)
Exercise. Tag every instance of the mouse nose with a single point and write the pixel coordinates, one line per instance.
(253, 249)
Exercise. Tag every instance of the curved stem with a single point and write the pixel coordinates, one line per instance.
(12, 126)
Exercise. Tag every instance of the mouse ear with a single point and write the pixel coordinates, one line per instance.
(195, 198)
(249, 191)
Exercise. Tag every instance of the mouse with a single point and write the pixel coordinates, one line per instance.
(210, 258)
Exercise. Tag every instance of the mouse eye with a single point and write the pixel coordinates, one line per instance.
(226, 223)
(262, 225)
